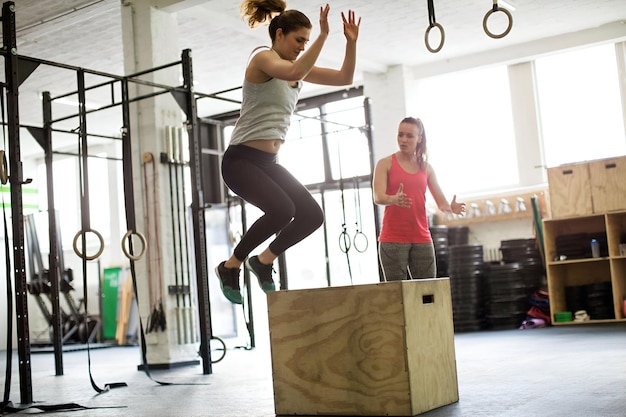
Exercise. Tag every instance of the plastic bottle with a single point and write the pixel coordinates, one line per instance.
(595, 248)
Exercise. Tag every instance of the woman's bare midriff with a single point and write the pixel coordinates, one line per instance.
(265, 145)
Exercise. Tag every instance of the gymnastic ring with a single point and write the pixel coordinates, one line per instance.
(443, 37)
(355, 241)
(221, 349)
(84, 256)
(345, 238)
(4, 170)
(492, 11)
(143, 247)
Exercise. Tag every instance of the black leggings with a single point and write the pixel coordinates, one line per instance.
(288, 207)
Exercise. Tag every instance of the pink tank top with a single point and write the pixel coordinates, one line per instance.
(402, 225)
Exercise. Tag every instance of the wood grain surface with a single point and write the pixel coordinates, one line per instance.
(343, 350)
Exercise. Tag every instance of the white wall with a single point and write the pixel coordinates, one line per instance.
(389, 105)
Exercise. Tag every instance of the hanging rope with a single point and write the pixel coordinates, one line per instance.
(7, 247)
(344, 238)
(133, 276)
(359, 240)
(83, 176)
(157, 318)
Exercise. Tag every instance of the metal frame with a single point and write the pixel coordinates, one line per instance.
(16, 180)
(22, 66)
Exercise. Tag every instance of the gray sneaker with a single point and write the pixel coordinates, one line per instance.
(263, 273)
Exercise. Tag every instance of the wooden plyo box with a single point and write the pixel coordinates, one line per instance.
(365, 350)
(570, 190)
(608, 184)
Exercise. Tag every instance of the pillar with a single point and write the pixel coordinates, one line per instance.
(526, 123)
(150, 40)
(389, 104)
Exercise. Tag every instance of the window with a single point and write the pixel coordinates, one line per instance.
(580, 105)
(67, 197)
(469, 128)
(335, 124)
(324, 144)
(302, 153)
(308, 261)
(348, 149)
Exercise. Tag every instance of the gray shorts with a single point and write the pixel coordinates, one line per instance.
(407, 260)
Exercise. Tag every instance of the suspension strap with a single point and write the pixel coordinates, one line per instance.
(129, 204)
(359, 236)
(7, 252)
(156, 319)
(9, 348)
(344, 238)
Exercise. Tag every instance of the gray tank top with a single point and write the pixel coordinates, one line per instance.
(266, 110)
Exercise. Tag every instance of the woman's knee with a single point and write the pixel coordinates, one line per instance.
(282, 215)
(313, 216)
(317, 216)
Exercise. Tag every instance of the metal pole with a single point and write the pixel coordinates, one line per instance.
(54, 271)
(16, 181)
(326, 253)
(246, 276)
(370, 144)
(197, 210)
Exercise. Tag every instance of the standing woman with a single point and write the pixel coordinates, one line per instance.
(400, 181)
(250, 168)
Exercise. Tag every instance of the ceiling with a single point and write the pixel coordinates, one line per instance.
(88, 34)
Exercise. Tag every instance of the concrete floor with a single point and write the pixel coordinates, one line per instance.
(564, 371)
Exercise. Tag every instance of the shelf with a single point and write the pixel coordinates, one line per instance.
(483, 219)
(581, 281)
(520, 205)
(577, 261)
(569, 323)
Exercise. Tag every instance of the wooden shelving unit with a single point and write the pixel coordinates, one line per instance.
(575, 272)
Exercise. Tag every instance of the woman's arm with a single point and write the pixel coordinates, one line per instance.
(268, 64)
(345, 75)
(379, 183)
(381, 175)
(440, 198)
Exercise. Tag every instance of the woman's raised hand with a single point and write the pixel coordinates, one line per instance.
(324, 28)
(350, 26)
(457, 208)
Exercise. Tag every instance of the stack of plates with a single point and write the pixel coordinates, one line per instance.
(458, 235)
(509, 288)
(600, 301)
(466, 270)
(525, 253)
(510, 285)
(520, 250)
